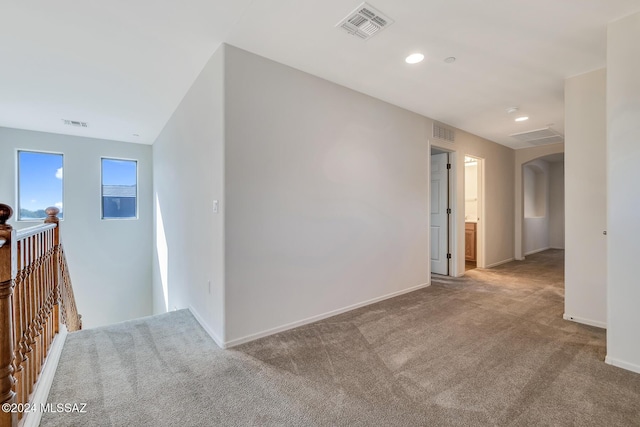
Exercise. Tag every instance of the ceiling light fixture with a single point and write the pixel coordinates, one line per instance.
(414, 58)
(522, 119)
(450, 60)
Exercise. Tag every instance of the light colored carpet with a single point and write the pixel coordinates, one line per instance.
(487, 349)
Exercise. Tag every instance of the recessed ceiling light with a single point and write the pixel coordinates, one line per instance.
(522, 119)
(414, 58)
(450, 60)
(512, 110)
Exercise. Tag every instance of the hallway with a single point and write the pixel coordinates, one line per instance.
(490, 348)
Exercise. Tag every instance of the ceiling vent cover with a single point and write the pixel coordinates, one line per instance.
(443, 132)
(364, 22)
(75, 123)
(542, 136)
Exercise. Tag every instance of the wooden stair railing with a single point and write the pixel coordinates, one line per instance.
(34, 283)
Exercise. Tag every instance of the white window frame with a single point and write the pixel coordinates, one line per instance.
(17, 182)
(130, 218)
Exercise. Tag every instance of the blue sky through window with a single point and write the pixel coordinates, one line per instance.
(40, 183)
(119, 172)
(119, 188)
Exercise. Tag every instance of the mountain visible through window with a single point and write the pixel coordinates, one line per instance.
(40, 184)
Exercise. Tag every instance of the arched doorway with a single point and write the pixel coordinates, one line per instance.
(550, 155)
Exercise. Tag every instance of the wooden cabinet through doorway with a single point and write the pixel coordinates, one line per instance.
(470, 241)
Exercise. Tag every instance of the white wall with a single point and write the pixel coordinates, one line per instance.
(536, 235)
(586, 198)
(471, 192)
(623, 226)
(188, 156)
(108, 259)
(327, 197)
(536, 188)
(498, 198)
(536, 206)
(529, 190)
(556, 205)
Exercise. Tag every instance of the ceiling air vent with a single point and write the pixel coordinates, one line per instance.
(364, 22)
(75, 123)
(542, 136)
(444, 133)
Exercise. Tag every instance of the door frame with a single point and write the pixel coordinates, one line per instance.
(480, 225)
(453, 231)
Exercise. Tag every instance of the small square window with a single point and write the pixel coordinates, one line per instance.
(119, 189)
(39, 184)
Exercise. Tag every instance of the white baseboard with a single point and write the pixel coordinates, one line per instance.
(206, 328)
(584, 321)
(535, 251)
(495, 264)
(318, 317)
(622, 364)
(43, 386)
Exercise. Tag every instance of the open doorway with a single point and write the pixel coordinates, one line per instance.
(473, 212)
(543, 204)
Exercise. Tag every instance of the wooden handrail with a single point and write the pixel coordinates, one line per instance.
(34, 282)
(32, 231)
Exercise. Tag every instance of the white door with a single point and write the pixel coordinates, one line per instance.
(439, 218)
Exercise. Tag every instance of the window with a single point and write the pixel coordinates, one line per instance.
(119, 188)
(39, 184)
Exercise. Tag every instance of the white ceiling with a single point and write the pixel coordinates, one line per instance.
(124, 66)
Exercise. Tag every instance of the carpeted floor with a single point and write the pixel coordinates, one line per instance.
(487, 349)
